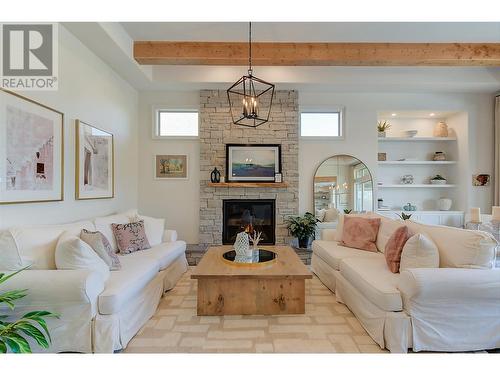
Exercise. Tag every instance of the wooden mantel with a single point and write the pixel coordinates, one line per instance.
(249, 184)
(317, 54)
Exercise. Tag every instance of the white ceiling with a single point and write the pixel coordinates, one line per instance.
(113, 42)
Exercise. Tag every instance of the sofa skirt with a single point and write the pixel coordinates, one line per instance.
(175, 272)
(323, 271)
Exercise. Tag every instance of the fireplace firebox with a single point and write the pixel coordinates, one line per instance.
(249, 215)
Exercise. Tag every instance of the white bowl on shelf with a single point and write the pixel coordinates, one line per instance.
(411, 133)
(438, 182)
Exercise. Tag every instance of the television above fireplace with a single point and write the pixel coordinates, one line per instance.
(248, 215)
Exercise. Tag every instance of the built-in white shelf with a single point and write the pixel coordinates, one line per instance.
(416, 139)
(414, 186)
(416, 162)
(429, 212)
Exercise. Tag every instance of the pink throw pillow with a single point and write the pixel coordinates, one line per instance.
(360, 233)
(130, 237)
(394, 248)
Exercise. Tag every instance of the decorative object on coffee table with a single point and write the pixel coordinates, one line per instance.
(481, 180)
(439, 156)
(382, 128)
(255, 237)
(302, 227)
(438, 180)
(215, 176)
(242, 245)
(269, 288)
(444, 204)
(441, 129)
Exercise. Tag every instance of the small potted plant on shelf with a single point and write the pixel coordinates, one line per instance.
(404, 216)
(302, 227)
(438, 180)
(382, 127)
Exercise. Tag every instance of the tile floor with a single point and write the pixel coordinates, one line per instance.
(326, 327)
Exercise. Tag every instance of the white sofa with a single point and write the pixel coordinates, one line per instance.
(455, 307)
(96, 315)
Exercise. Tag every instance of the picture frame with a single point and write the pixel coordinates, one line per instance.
(252, 162)
(94, 162)
(31, 151)
(171, 167)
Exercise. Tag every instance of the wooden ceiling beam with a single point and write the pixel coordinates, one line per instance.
(317, 54)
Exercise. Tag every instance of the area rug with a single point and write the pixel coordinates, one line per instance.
(326, 327)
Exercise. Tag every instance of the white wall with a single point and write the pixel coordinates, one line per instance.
(91, 91)
(177, 201)
(361, 134)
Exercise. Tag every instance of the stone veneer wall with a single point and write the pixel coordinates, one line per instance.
(216, 130)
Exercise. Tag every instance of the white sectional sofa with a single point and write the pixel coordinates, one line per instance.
(96, 315)
(455, 307)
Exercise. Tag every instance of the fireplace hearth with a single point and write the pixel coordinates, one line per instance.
(249, 215)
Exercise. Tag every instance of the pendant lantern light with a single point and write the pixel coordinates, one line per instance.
(250, 98)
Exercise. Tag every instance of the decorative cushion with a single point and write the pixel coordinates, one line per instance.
(385, 231)
(340, 222)
(360, 233)
(394, 248)
(459, 248)
(104, 225)
(10, 259)
(154, 228)
(419, 252)
(74, 254)
(320, 214)
(130, 237)
(100, 244)
(331, 215)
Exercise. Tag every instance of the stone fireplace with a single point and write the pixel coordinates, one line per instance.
(217, 130)
(248, 215)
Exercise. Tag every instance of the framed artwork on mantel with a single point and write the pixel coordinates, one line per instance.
(252, 163)
(31, 151)
(94, 170)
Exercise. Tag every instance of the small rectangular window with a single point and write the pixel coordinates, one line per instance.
(176, 123)
(321, 124)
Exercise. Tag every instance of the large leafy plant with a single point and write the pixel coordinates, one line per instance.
(31, 325)
(302, 227)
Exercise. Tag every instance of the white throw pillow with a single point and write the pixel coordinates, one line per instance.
(331, 215)
(459, 248)
(10, 259)
(72, 253)
(419, 252)
(320, 214)
(153, 227)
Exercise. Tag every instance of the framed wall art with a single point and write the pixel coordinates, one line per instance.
(171, 167)
(252, 163)
(31, 151)
(94, 169)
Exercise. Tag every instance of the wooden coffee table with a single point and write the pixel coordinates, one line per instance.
(226, 288)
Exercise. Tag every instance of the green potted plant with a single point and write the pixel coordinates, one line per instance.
(302, 227)
(404, 216)
(347, 211)
(438, 180)
(382, 127)
(31, 325)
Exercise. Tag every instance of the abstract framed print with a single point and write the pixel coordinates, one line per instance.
(169, 167)
(31, 151)
(94, 169)
(252, 163)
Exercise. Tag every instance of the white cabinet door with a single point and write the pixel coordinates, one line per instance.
(429, 219)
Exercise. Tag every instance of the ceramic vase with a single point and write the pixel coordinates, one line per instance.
(441, 129)
(444, 204)
(242, 245)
